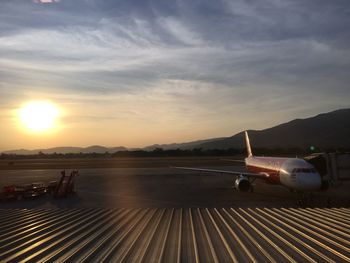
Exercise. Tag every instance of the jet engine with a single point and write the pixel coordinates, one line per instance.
(242, 184)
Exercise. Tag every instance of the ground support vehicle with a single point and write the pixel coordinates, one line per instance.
(61, 188)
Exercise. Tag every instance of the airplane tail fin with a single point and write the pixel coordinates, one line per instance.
(249, 149)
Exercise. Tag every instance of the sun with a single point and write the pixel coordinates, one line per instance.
(39, 116)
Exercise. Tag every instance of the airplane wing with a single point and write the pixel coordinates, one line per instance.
(235, 173)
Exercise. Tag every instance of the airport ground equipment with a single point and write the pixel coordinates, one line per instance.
(12, 192)
(66, 184)
(19, 192)
(334, 168)
(61, 188)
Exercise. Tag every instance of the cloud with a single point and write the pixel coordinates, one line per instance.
(180, 31)
(46, 1)
(208, 62)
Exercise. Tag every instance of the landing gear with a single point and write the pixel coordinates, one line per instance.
(304, 199)
(329, 202)
(302, 202)
(251, 185)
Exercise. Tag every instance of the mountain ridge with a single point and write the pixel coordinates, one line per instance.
(68, 149)
(331, 129)
(324, 130)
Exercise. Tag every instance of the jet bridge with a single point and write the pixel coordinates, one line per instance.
(333, 167)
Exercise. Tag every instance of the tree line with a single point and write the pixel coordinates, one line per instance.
(159, 152)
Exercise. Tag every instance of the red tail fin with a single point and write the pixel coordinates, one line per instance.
(249, 149)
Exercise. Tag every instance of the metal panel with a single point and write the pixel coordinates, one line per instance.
(176, 235)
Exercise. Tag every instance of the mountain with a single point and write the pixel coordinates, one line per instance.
(64, 150)
(183, 146)
(327, 130)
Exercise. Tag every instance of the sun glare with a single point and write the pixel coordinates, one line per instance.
(39, 116)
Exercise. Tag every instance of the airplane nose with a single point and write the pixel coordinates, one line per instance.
(310, 181)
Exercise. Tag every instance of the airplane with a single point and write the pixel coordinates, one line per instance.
(294, 173)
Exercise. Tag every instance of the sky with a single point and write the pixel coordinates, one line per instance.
(141, 72)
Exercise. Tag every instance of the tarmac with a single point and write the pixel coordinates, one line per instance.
(165, 215)
(161, 188)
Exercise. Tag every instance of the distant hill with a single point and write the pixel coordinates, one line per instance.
(327, 130)
(182, 146)
(64, 150)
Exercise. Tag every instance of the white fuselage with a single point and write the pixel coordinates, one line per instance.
(294, 173)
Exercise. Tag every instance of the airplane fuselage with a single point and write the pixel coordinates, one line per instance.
(293, 173)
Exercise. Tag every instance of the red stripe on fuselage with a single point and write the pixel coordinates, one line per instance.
(269, 165)
(274, 177)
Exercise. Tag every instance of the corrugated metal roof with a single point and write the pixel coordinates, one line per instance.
(176, 235)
